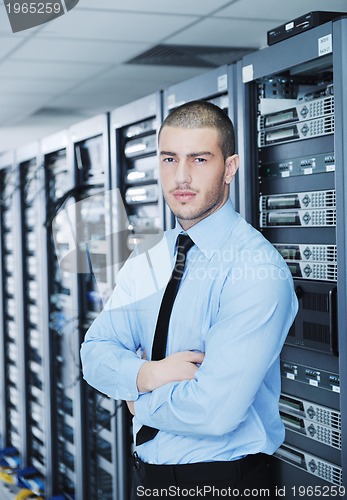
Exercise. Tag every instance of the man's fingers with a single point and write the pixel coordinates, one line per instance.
(196, 357)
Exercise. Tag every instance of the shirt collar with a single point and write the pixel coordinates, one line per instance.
(209, 234)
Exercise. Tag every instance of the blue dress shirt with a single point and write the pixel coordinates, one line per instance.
(236, 303)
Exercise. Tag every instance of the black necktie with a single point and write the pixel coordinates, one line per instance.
(184, 243)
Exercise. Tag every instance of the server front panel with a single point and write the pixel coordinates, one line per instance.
(13, 439)
(297, 213)
(140, 218)
(139, 181)
(34, 338)
(93, 241)
(294, 184)
(62, 322)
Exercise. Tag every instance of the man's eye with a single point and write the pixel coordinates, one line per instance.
(168, 160)
(200, 160)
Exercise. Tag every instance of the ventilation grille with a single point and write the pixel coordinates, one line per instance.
(316, 332)
(316, 302)
(48, 111)
(188, 55)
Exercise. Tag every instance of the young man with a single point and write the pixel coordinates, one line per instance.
(206, 409)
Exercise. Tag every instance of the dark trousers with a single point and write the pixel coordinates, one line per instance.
(203, 480)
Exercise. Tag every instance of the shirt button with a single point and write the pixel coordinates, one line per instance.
(129, 395)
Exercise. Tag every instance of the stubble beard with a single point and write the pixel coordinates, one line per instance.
(214, 199)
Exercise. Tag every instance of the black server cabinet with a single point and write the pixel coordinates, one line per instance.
(13, 451)
(76, 164)
(90, 148)
(138, 211)
(292, 125)
(216, 86)
(61, 317)
(34, 338)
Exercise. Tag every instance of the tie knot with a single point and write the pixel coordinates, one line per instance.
(184, 243)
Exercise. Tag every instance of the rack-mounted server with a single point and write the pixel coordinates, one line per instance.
(291, 107)
(35, 340)
(13, 393)
(92, 228)
(138, 213)
(61, 313)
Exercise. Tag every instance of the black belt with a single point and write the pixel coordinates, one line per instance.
(195, 472)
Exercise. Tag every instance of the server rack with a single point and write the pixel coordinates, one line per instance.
(293, 156)
(13, 453)
(98, 445)
(216, 86)
(138, 211)
(60, 316)
(6, 164)
(34, 337)
(78, 257)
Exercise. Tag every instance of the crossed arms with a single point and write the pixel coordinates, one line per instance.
(174, 394)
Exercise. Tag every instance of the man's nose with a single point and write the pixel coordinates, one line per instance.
(183, 174)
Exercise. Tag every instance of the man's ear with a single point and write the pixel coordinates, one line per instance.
(231, 166)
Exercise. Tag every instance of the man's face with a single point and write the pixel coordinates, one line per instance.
(193, 173)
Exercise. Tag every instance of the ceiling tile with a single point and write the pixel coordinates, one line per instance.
(275, 10)
(69, 71)
(10, 112)
(75, 62)
(58, 120)
(8, 44)
(140, 72)
(119, 26)
(5, 27)
(20, 99)
(6, 116)
(201, 7)
(106, 96)
(45, 49)
(118, 83)
(225, 33)
(32, 85)
(106, 91)
(99, 103)
(31, 130)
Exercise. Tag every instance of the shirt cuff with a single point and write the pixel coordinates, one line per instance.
(147, 404)
(129, 368)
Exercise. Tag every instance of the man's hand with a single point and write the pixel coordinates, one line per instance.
(175, 368)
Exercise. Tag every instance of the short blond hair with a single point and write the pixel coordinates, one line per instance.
(201, 114)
